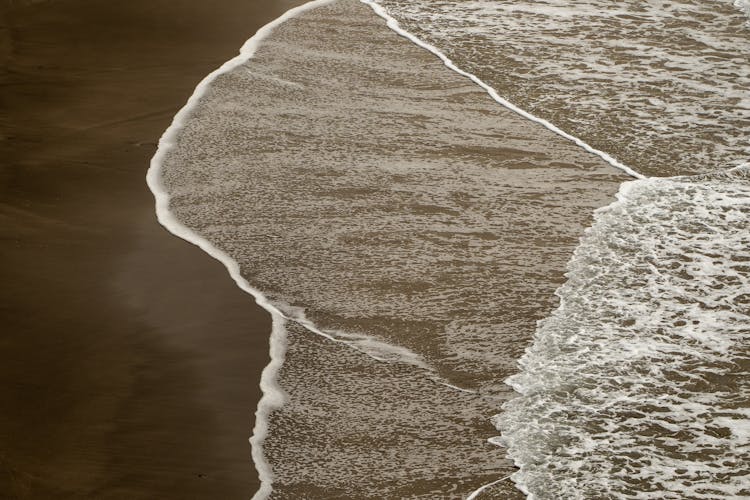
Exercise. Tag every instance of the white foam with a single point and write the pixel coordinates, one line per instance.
(272, 399)
(633, 386)
(395, 26)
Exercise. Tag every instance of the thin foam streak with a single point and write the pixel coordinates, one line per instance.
(395, 26)
(474, 494)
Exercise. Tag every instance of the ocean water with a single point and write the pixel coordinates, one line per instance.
(441, 265)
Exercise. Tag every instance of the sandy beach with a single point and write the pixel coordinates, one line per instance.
(130, 360)
(471, 296)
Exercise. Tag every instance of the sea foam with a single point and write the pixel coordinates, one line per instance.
(744, 5)
(636, 386)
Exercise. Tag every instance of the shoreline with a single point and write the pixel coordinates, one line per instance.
(272, 396)
(131, 356)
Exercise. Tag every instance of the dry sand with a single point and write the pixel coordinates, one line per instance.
(129, 360)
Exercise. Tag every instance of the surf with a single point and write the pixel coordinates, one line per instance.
(634, 387)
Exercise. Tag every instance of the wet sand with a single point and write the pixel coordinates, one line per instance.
(130, 361)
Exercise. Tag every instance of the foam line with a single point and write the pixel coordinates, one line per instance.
(474, 494)
(272, 399)
(273, 395)
(394, 25)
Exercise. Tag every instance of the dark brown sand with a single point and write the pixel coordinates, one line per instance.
(129, 361)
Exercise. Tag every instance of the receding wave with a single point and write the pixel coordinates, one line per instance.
(636, 386)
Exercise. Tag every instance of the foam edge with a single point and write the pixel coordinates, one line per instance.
(273, 396)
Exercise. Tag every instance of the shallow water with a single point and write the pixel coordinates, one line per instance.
(410, 216)
(413, 232)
